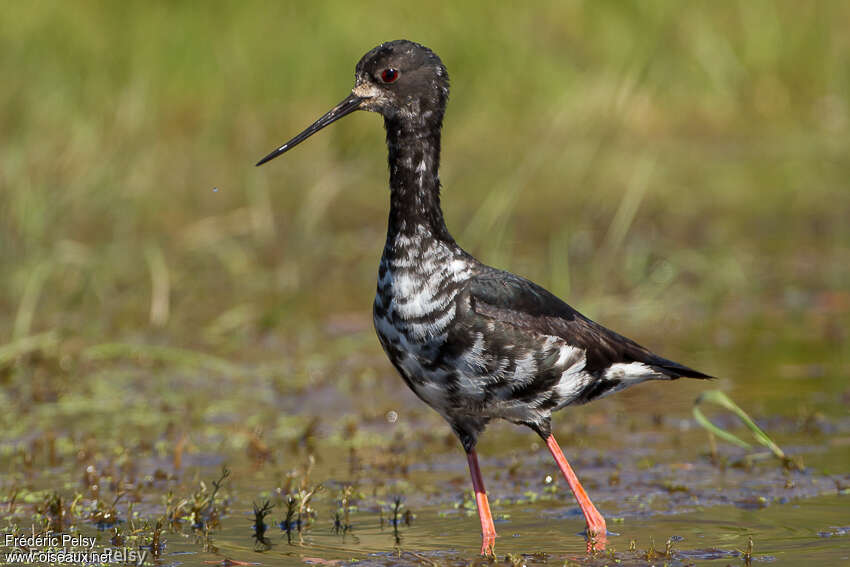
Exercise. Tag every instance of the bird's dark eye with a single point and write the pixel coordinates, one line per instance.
(389, 75)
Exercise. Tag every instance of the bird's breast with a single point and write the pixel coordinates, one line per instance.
(415, 306)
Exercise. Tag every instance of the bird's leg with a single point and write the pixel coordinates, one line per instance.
(488, 530)
(596, 530)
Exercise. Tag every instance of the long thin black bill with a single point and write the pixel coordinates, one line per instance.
(347, 106)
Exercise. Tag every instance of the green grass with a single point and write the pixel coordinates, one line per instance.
(677, 169)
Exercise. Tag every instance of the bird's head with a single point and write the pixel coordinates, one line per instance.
(401, 80)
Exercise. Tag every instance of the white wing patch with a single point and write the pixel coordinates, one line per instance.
(573, 379)
(630, 371)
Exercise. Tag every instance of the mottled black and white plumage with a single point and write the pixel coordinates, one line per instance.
(474, 342)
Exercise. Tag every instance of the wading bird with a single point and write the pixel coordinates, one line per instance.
(473, 342)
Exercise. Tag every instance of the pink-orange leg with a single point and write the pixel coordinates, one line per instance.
(596, 530)
(488, 530)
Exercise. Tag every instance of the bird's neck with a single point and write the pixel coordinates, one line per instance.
(414, 160)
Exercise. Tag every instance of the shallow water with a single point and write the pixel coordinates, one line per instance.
(641, 456)
(656, 488)
(547, 528)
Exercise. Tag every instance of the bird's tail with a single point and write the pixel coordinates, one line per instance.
(674, 370)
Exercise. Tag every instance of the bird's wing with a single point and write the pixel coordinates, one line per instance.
(519, 302)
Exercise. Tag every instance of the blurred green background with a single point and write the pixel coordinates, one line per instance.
(678, 171)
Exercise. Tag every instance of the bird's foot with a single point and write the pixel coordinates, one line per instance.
(597, 533)
(488, 544)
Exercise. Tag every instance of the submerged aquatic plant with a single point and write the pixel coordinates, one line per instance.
(651, 554)
(290, 522)
(747, 554)
(156, 543)
(719, 398)
(299, 513)
(106, 516)
(342, 519)
(53, 511)
(201, 509)
(260, 513)
(204, 510)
